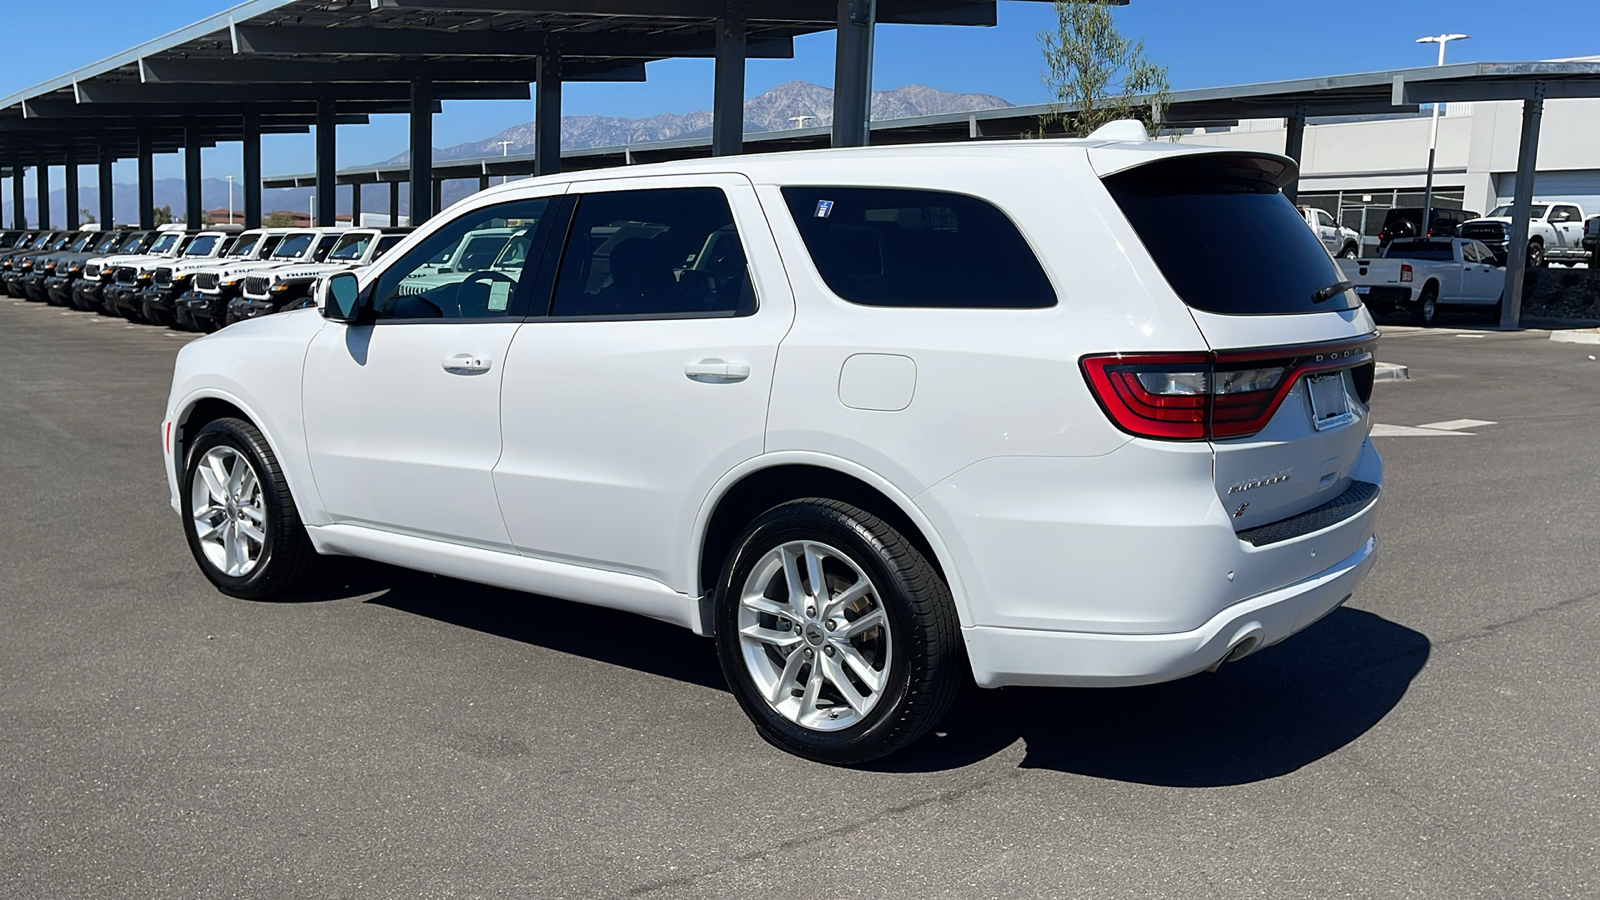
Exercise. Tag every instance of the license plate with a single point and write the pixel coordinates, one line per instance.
(1363, 289)
(1330, 401)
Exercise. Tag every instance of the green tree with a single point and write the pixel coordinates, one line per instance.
(87, 217)
(1095, 74)
(163, 215)
(278, 220)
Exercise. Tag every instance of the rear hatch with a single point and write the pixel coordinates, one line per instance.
(1282, 396)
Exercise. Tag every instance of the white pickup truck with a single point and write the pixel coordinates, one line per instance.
(1555, 233)
(1342, 242)
(1419, 276)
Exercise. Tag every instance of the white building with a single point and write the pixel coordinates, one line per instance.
(1358, 168)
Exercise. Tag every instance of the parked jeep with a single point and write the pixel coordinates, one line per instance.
(206, 304)
(88, 289)
(268, 290)
(69, 267)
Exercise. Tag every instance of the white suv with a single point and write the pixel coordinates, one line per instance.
(874, 419)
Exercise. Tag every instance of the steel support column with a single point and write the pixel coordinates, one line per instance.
(41, 190)
(394, 204)
(19, 216)
(1522, 209)
(108, 208)
(852, 75)
(70, 182)
(727, 105)
(147, 182)
(327, 165)
(252, 170)
(194, 212)
(1294, 148)
(355, 203)
(421, 152)
(547, 112)
(483, 181)
(438, 194)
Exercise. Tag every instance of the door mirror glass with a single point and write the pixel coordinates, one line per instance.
(341, 298)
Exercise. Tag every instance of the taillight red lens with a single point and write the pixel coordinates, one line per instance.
(1405, 273)
(1208, 396)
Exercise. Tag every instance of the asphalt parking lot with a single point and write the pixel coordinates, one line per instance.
(409, 736)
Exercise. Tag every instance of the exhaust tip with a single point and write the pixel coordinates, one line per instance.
(1246, 642)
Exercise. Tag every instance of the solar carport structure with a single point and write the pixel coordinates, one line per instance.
(282, 66)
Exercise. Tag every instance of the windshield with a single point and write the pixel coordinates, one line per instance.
(41, 242)
(81, 242)
(1430, 250)
(202, 245)
(294, 246)
(1236, 198)
(352, 245)
(247, 244)
(131, 245)
(164, 243)
(1505, 212)
(108, 243)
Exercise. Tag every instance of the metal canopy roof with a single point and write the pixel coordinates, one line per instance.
(1399, 90)
(286, 56)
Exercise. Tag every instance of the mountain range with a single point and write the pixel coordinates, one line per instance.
(790, 105)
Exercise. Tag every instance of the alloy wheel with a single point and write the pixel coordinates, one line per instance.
(229, 511)
(814, 635)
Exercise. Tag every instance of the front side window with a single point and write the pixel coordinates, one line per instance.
(1324, 219)
(164, 243)
(1484, 253)
(246, 245)
(462, 270)
(324, 245)
(1469, 253)
(1565, 214)
(915, 248)
(385, 244)
(654, 253)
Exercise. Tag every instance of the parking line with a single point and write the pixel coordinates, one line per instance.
(1457, 424)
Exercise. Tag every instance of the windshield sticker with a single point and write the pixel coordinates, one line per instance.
(824, 208)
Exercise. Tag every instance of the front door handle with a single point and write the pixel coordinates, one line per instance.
(466, 364)
(716, 371)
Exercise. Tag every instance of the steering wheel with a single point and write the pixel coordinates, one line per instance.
(476, 278)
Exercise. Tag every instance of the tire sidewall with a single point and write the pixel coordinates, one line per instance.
(227, 433)
(795, 522)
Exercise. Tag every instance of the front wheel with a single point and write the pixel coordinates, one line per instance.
(240, 520)
(1349, 252)
(1536, 255)
(837, 636)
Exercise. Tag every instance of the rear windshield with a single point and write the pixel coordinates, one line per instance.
(913, 248)
(1432, 250)
(1225, 237)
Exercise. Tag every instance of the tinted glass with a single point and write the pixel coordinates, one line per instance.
(294, 246)
(351, 246)
(202, 245)
(1567, 213)
(1440, 251)
(460, 271)
(132, 245)
(1469, 253)
(387, 243)
(1226, 239)
(107, 243)
(910, 248)
(247, 244)
(667, 252)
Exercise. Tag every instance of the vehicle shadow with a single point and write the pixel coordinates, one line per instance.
(1264, 716)
(1267, 715)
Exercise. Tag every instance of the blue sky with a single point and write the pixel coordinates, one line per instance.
(1205, 43)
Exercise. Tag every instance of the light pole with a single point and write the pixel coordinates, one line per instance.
(505, 150)
(230, 199)
(1433, 138)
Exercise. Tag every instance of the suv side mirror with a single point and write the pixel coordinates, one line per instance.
(340, 298)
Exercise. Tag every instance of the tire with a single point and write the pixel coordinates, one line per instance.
(1427, 307)
(1349, 252)
(284, 558)
(1536, 258)
(910, 648)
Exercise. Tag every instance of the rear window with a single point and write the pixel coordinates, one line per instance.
(1430, 250)
(911, 248)
(1225, 237)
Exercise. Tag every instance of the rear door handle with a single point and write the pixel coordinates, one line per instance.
(466, 364)
(716, 371)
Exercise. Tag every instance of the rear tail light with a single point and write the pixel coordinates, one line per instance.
(1405, 274)
(1214, 395)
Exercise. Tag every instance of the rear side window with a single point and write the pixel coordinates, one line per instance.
(1225, 237)
(911, 248)
(1439, 251)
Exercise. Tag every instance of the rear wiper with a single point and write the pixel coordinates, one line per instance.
(1331, 290)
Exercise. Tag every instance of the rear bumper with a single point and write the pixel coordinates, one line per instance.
(1015, 656)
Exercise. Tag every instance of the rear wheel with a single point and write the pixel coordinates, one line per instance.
(240, 520)
(1536, 255)
(1427, 307)
(1349, 252)
(838, 638)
